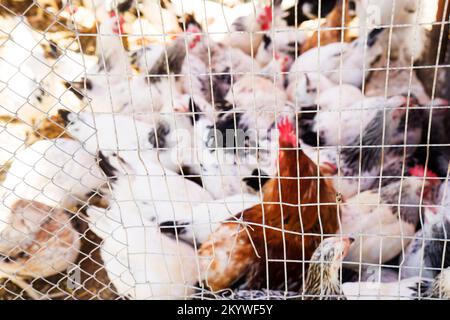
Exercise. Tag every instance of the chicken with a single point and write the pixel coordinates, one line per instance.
(384, 220)
(408, 41)
(37, 238)
(245, 32)
(362, 131)
(340, 123)
(336, 21)
(193, 74)
(371, 121)
(28, 87)
(254, 103)
(286, 42)
(398, 76)
(355, 57)
(52, 172)
(237, 250)
(226, 158)
(140, 261)
(228, 67)
(322, 280)
(111, 86)
(169, 140)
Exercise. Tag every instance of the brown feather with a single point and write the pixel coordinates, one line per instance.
(332, 28)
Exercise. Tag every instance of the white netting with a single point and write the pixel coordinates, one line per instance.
(265, 149)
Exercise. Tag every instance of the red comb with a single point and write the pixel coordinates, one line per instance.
(265, 18)
(287, 132)
(419, 171)
(196, 38)
(120, 21)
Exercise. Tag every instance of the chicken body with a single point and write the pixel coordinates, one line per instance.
(246, 31)
(429, 252)
(355, 58)
(169, 139)
(140, 261)
(53, 172)
(413, 288)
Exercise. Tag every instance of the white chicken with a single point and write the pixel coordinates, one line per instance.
(22, 72)
(383, 221)
(168, 135)
(246, 32)
(429, 251)
(287, 41)
(142, 262)
(408, 40)
(338, 61)
(241, 140)
(111, 86)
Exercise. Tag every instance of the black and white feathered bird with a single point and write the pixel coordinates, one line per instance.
(286, 42)
(30, 85)
(112, 86)
(37, 238)
(226, 158)
(338, 61)
(245, 32)
(168, 135)
(362, 128)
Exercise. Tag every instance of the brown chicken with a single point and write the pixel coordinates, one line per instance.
(298, 208)
(332, 28)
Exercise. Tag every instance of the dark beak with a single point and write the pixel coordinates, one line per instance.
(76, 88)
(64, 114)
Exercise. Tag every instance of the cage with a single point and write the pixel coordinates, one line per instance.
(200, 149)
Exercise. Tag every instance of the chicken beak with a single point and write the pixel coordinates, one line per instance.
(64, 115)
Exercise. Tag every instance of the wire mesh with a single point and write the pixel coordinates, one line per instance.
(224, 149)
